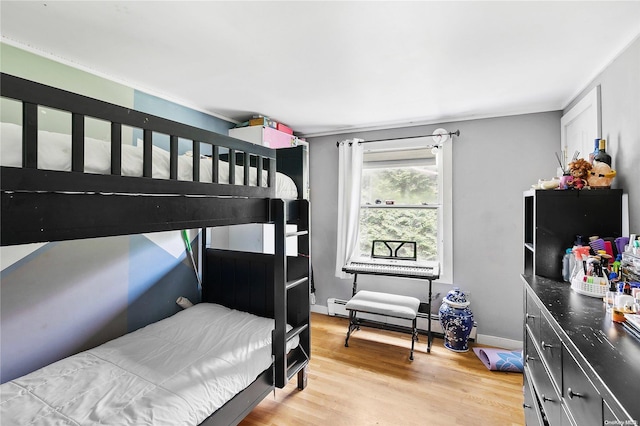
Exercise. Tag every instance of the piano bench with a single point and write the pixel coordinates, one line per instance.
(386, 304)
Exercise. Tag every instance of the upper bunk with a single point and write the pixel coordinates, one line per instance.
(147, 174)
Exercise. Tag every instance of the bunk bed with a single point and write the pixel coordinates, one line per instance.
(40, 205)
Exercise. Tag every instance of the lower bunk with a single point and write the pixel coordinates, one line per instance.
(209, 364)
(174, 372)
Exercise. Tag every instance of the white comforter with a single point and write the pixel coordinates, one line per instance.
(174, 372)
(54, 153)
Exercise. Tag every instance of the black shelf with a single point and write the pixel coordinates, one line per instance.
(553, 218)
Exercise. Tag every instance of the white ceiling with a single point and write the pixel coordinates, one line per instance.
(331, 66)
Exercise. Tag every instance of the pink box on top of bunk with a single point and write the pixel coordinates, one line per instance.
(266, 136)
(277, 139)
(283, 128)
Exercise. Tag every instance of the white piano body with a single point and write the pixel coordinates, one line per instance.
(393, 267)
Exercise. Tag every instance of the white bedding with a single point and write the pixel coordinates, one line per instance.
(174, 372)
(54, 153)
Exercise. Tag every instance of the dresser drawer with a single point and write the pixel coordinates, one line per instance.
(543, 387)
(532, 416)
(551, 351)
(581, 397)
(532, 316)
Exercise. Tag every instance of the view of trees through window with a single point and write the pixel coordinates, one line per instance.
(400, 203)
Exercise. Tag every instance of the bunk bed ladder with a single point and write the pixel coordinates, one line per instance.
(292, 292)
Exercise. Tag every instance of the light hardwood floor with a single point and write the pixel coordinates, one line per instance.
(372, 382)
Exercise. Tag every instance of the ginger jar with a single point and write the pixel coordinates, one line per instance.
(456, 320)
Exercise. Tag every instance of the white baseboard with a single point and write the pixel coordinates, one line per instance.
(319, 309)
(499, 342)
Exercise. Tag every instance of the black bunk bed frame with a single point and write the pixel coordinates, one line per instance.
(47, 205)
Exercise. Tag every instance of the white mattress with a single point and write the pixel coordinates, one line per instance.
(54, 153)
(174, 372)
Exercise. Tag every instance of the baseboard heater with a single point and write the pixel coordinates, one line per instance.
(335, 307)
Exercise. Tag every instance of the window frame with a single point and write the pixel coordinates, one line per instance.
(444, 163)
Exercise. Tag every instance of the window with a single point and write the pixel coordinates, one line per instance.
(406, 195)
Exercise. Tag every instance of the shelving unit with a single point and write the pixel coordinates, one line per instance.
(553, 218)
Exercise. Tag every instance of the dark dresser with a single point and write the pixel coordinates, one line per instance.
(581, 368)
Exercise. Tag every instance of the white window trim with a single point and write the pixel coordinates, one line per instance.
(446, 242)
(445, 177)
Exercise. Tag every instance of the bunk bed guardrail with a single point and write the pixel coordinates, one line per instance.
(183, 202)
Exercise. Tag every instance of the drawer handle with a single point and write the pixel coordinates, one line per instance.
(530, 316)
(571, 394)
(545, 345)
(525, 405)
(530, 358)
(545, 399)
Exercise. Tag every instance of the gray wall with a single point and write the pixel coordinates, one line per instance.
(620, 102)
(494, 161)
(70, 296)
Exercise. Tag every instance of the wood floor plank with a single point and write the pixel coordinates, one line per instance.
(372, 382)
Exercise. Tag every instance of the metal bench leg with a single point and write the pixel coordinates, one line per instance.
(352, 326)
(414, 336)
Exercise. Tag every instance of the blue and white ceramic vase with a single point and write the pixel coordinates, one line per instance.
(456, 320)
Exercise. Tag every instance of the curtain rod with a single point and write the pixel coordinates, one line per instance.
(456, 133)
